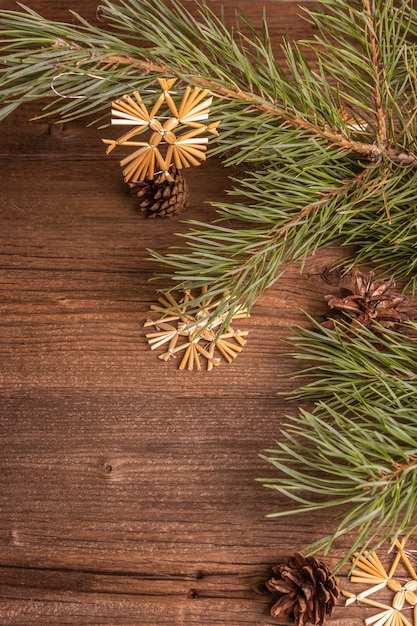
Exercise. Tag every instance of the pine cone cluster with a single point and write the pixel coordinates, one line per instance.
(307, 591)
(164, 198)
(370, 300)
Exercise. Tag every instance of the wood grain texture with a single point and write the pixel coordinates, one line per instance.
(128, 492)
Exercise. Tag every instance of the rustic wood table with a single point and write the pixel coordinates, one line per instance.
(128, 488)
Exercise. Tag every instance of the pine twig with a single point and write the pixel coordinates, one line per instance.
(356, 448)
(372, 151)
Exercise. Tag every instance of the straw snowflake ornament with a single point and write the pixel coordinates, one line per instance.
(164, 148)
(181, 331)
(370, 570)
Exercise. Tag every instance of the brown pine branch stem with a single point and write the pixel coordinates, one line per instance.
(335, 137)
(370, 151)
(380, 114)
(398, 469)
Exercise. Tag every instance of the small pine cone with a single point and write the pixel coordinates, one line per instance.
(370, 300)
(307, 591)
(162, 199)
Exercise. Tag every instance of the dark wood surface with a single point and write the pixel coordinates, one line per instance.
(128, 491)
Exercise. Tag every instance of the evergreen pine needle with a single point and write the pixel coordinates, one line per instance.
(356, 450)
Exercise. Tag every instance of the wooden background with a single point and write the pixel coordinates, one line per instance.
(128, 491)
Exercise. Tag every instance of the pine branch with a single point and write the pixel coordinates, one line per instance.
(357, 448)
(332, 139)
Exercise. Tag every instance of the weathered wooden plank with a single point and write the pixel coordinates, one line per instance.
(202, 598)
(144, 611)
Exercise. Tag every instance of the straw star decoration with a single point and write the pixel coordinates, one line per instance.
(181, 331)
(164, 147)
(369, 570)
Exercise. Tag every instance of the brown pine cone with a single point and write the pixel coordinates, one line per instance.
(162, 199)
(370, 300)
(307, 591)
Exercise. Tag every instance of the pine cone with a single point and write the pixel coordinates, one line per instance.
(371, 300)
(162, 199)
(306, 589)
